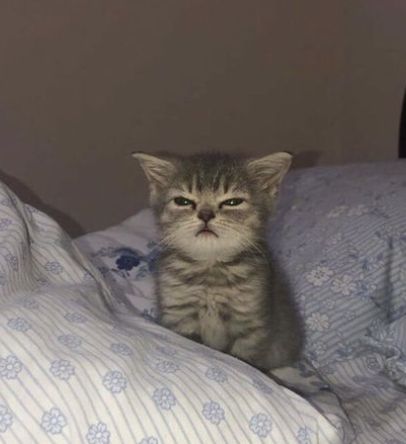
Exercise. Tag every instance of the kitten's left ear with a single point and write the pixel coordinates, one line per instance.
(155, 168)
(158, 171)
(269, 171)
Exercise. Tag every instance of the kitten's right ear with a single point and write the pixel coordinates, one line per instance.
(269, 171)
(158, 171)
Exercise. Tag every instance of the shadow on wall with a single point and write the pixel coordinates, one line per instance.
(72, 227)
(402, 130)
(305, 159)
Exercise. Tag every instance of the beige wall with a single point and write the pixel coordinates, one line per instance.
(84, 83)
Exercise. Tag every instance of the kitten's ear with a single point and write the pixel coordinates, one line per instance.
(158, 171)
(269, 171)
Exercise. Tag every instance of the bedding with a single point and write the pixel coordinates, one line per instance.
(339, 235)
(81, 360)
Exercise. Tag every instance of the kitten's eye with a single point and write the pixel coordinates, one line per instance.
(183, 202)
(232, 202)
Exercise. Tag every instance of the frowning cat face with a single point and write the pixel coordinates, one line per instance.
(209, 222)
(212, 207)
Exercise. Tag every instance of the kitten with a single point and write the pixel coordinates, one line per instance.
(215, 280)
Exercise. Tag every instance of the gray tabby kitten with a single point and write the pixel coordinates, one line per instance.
(215, 281)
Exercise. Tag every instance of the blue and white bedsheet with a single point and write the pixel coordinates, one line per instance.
(78, 365)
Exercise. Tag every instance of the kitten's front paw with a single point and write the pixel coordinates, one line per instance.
(195, 337)
(188, 327)
(214, 331)
(280, 356)
(245, 349)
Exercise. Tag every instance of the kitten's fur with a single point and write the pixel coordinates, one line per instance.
(219, 288)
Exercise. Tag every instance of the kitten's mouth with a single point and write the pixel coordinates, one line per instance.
(205, 231)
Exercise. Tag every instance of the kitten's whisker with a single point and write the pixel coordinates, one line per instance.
(246, 242)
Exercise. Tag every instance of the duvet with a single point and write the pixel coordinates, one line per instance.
(80, 364)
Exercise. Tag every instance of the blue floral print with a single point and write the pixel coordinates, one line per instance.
(127, 261)
(164, 398)
(121, 349)
(6, 418)
(71, 369)
(261, 425)
(216, 374)
(75, 318)
(10, 367)
(54, 267)
(115, 381)
(303, 436)
(166, 366)
(53, 421)
(98, 434)
(12, 260)
(5, 223)
(166, 350)
(213, 412)
(62, 369)
(70, 341)
(19, 324)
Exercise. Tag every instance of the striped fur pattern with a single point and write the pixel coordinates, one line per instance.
(215, 279)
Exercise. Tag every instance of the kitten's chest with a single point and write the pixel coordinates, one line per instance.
(205, 302)
(215, 302)
(215, 291)
(213, 315)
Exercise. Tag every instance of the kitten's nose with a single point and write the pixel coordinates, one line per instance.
(205, 215)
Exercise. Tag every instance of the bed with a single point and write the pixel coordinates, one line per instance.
(83, 360)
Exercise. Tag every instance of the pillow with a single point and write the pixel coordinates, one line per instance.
(125, 255)
(339, 234)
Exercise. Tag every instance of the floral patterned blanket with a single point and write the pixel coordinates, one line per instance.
(79, 364)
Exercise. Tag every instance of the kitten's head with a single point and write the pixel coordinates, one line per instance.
(213, 207)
